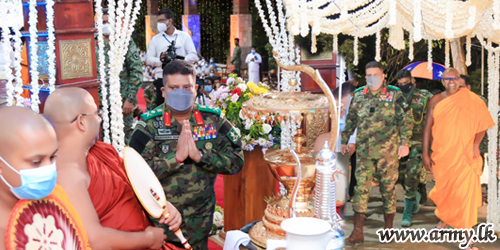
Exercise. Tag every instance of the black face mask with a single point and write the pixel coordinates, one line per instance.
(406, 88)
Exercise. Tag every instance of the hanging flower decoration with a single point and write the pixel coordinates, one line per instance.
(253, 131)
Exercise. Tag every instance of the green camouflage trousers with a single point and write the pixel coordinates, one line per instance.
(386, 171)
(128, 121)
(412, 172)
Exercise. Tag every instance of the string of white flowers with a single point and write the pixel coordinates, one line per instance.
(493, 186)
(410, 44)
(472, 17)
(355, 50)
(417, 20)
(449, 20)
(51, 42)
(314, 49)
(8, 72)
(377, 46)
(335, 43)
(35, 87)
(18, 80)
(392, 13)
(102, 72)
(468, 52)
(429, 55)
(447, 53)
(115, 66)
(496, 79)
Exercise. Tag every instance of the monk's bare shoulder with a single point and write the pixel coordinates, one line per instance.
(71, 174)
(2, 239)
(435, 100)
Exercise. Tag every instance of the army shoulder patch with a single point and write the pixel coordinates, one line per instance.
(233, 135)
(209, 109)
(152, 113)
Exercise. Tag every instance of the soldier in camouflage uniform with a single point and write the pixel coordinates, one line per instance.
(187, 145)
(150, 96)
(412, 173)
(130, 77)
(384, 131)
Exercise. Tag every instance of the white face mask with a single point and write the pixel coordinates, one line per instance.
(105, 29)
(162, 27)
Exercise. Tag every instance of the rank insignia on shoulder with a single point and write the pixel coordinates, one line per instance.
(204, 132)
(209, 109)
(152, 113)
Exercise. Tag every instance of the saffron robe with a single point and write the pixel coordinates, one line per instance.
(112, 194)
(457, 193)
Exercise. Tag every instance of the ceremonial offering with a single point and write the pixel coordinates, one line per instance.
(44, 224)
(147, 188)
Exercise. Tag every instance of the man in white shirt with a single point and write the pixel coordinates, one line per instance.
(159, 44)
(253, 60)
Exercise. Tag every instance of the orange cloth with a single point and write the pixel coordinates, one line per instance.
(112, 194)
(457, 193)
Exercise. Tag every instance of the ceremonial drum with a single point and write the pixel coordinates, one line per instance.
(44, 224)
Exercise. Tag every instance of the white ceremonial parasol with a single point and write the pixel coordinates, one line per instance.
(148, 188)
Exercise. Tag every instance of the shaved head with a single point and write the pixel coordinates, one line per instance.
(73, 113)
(28, 141)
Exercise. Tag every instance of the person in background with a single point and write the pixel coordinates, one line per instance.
(236, 59)
(412, 174)
(253, 60)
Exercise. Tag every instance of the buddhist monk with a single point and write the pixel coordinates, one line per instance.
(28, 149)
(93, 175)
(457, 120)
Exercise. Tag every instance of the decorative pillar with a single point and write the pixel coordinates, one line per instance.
(241, 27)
(191, 22)
(75, 45)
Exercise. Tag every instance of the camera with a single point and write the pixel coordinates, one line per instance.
(170, 54)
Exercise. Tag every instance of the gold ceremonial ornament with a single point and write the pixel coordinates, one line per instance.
(291, 107)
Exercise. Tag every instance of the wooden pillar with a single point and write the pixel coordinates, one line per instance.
(241, 27)
(153, 7)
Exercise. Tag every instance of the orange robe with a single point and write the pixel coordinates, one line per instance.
(457, 193)
(111, 192)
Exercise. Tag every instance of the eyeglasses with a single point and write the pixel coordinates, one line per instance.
(447, 79)
(98, 113)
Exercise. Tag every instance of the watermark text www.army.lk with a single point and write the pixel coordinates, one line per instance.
(484, 233)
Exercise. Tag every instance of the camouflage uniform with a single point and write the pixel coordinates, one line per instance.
(411, 168)
(383, 127)
(150, 93)
(189, 187)
(130, 80)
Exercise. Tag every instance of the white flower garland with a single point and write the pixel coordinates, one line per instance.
(377, 46)
(468, 53)
(102, 72)
(355, 50)
(410, 44)
(472, 17)
(496, 14)
(429, 55)
(122, 27)
(335, 44)
(51, 40)
(392, 13)
(8, 72)
(447, 53)
(18, 80)
(449, 21)
(35, 87)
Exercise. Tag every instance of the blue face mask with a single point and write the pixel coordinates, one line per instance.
(211, 61)
(208, 88)
(211, 74)
(253, 51)
(36, 183)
